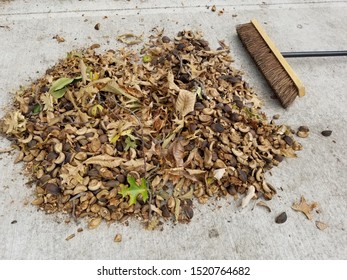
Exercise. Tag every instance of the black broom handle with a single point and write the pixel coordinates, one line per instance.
(314, 53)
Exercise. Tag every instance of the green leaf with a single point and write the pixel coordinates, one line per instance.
(130, 143)
(37, 108)
(58, 87)
(60, 84)
(134, 190)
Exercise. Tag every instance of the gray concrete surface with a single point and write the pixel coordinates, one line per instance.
(319, 173)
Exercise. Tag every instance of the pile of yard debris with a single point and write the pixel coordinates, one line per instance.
(144, 133)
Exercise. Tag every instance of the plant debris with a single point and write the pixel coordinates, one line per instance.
(70, 237)
(118, 238)
(145, 134)
(59, 39)
(303, 131)
(130, 39)
(321, 225)
(326, 133)
(263, 204)
(304, 207)
(281, 218)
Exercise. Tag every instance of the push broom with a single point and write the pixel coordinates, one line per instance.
(271, 62)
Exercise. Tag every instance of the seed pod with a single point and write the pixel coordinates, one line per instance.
(165, 39)
(217, 127)
(94, 223)
(165, 211)
(303, 131)
(326, 133)
(288, 140)
(199, 106)
(281, 218)
(52, 188)
(37, 201)
(242, 175)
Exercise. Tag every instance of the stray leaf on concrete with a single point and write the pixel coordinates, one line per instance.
(304, 207)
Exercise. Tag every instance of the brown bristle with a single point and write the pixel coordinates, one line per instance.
(275, 74)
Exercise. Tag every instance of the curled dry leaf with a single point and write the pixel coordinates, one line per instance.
(105, 161)
(304, 207)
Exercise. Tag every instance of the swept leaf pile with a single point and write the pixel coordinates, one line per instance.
(126, 133)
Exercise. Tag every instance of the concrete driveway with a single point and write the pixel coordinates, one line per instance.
(226, 232)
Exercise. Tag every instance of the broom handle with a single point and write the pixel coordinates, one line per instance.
(314, 53)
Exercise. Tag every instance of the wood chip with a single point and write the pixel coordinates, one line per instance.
(118, 238)
(70, 237)
(321, 225)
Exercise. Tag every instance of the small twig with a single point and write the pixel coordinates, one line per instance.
(73, 199)
(77, 196)
(181, 62)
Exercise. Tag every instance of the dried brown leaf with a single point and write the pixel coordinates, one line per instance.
(178, 153)
(172, 85)
(185, 102)
(136, 164)
(105, 161)
(304, 207)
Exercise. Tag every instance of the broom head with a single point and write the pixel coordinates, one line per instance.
(270, 62)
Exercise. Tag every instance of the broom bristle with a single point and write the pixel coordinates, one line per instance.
(271, 63)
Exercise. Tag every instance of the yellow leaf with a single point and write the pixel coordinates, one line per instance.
(185, 102)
